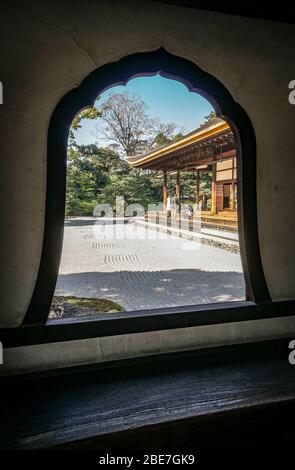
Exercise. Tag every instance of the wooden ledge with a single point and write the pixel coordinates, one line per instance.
(170, 399)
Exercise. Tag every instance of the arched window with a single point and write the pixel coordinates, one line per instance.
(236, 124)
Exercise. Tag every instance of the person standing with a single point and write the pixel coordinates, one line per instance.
(168, 205)
(173, 207)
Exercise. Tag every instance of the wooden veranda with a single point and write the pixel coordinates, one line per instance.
(210, 148)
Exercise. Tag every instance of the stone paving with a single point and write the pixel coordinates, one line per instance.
(140, 268)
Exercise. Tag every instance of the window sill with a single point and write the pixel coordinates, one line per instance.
(139, 322)
(142, 403)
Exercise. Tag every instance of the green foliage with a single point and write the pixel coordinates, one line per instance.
(71, 306)
(188, 185)
(136, 186)
(211, 115)
(97, 175)
(161, 139)
(177, 137)
(89, 169)
(88, 113)
(75, 206)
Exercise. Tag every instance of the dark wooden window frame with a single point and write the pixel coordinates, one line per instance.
(36, 328)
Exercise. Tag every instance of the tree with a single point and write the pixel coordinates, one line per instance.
(162, 134)
(88, 113)
(97, 175)
(89, 169)
(211, 115)
(137, 187)
(126, 122)
(128, 126)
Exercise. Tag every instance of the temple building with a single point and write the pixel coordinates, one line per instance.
(209, 148)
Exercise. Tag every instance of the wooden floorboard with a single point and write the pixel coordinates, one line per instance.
(68, 408)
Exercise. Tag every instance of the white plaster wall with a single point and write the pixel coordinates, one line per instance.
(47, 48)
(100, 350)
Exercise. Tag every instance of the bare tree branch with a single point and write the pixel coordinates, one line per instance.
(127, 124)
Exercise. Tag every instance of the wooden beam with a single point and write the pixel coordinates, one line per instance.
(198, 187)
(213, 193)
(165, 189)
(177, 191)
(233, 189)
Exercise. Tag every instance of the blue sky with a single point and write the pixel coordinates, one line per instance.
(167, 99)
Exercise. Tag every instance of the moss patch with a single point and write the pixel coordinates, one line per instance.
(70, 306)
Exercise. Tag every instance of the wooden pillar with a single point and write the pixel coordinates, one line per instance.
(164, 189)
(213, 192)
(198, 187)
(233, 189)
(177, 190)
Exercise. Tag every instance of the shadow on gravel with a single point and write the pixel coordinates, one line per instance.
(91, 222)
(140, 290)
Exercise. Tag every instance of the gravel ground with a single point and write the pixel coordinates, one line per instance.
(142, 269)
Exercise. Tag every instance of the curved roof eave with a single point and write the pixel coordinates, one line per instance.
(209, 130)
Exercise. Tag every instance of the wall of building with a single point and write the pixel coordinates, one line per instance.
(224, 170)
(48, 47)
(219, 196)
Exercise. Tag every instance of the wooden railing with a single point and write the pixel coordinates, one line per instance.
(222, 220)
